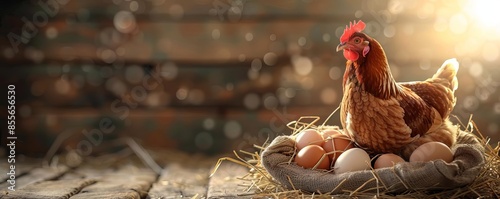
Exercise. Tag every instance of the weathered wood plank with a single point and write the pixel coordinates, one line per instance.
(86, 172)
(126, 182)
(36, 175)
(21, 168)
(51, 189)
(224, 183)
(177, 181)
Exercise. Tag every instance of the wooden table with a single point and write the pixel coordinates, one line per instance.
(124, 176)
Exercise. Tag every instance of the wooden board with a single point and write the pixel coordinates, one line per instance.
(51, 189)
(21, 168)
(225, 184)
(184, 176)
(36, 175)
(178, 181)
(128, 181)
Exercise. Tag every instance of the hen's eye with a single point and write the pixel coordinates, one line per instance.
(357, 40)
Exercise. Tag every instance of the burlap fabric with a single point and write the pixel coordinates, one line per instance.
(434, 175)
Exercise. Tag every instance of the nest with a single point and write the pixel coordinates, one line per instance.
(260, 183)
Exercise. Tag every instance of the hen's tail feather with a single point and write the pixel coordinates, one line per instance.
(448, 71)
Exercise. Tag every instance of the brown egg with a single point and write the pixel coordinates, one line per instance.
(308, 137)
(310, 155)
(432, 151)
(328, 133)
(387, 160)
(335, 145)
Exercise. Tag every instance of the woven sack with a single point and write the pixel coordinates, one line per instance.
(434, 175)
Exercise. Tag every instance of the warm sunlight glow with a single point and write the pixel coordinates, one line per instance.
(485, 12)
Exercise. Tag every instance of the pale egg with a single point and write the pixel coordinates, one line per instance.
(308, 137)
(354, 159)
(335, 145)
(310, 155)
(387, 160)
(432, 151)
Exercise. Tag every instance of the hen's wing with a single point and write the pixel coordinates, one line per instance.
(418, 115)
(428, 103)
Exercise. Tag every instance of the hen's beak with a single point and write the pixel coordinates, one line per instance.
(341, 46)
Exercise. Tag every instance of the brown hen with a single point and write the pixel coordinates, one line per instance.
(384, 116)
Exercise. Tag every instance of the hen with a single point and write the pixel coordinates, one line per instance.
(384, 116)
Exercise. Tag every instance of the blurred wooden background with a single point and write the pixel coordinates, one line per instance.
(212, 76)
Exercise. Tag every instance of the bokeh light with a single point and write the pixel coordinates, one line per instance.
(215, 34)
(251, 101)
(232, 129)
(134, 6)
(253, 74)
(182, 93)
(51, 32)
(270, 101)
(124, 21)
(471, 103)
(272, 37)
(302, 65)
(335, 73)
(242, 57)
(204, 140)
(116, 86)
(302, 41)
(62, 86)
(389, 31)
(169, 70)
(208, 123)
(270, 58)
(249, 36)
(256, 64)
(329, 96)
(108, 56)
(196, 96)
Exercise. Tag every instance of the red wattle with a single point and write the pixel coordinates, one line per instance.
(351, 55)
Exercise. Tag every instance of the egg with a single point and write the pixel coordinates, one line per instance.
(310, 155)
(328, 133)
(432, 151)
(387, 160)
(308, 137)
(335, 145)
(354, 159)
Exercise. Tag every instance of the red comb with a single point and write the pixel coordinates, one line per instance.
(353, 27)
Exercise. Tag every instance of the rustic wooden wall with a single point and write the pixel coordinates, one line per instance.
(229, 72)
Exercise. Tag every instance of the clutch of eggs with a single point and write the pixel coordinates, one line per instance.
(326, 150)
(330, 149)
